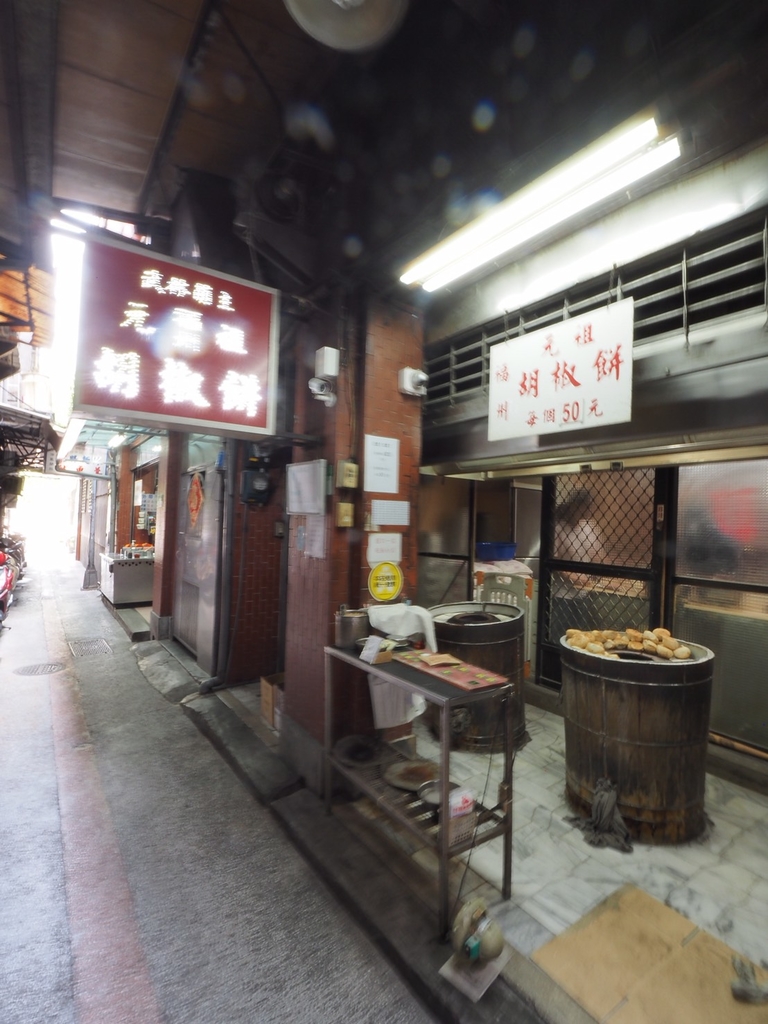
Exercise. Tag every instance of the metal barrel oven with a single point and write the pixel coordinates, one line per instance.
(643, 724)
(491, 636)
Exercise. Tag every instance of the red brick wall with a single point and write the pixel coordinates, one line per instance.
(167, 523)
(124, 519)
(367, 402)
(394, 342)
(255, 593)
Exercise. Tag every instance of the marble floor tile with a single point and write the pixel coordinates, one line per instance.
(685, 860)
(561, 904)
(521, 930)
(719, 881)
(749, 850)
(600, 875)
(759, 892)
(528, 786)
(728, 883)
(720, 835)
(698, 907)
(745, 931)
(742, 811)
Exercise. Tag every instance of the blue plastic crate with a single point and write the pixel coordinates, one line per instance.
(494, 551)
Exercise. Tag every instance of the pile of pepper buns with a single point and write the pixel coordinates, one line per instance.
(610, 642)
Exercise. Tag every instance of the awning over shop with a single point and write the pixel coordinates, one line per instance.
(26, 311)
(26, 441)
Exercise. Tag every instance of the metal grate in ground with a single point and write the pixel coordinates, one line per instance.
(81, 648)
(38, 670)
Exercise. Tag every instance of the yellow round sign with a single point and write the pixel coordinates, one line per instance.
(385, 581)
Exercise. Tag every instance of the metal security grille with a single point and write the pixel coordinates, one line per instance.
(720, 274)
(82, 648)
(598, 568)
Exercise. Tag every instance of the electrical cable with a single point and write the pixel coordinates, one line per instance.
(503, 718)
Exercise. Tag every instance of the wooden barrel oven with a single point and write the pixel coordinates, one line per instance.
(643, 724)
(491, 636)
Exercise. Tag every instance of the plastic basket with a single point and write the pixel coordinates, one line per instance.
(494, 551)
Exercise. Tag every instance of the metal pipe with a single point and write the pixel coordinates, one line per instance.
(742, 748)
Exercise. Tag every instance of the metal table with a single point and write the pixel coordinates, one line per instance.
(406, 807)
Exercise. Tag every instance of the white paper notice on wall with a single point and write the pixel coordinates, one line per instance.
(314, 544)
(384, 547)
(382, 464)
(390, 513)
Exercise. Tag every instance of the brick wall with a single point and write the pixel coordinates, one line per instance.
(124, 518)
(368, 401)
(255, 592)
(167, 523)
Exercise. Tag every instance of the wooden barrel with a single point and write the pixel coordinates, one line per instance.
(491, 636)
(643, 724)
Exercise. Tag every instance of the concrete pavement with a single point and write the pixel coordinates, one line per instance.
(142, 881)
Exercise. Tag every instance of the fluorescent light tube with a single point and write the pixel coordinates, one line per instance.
(602, 169)
(69, 440)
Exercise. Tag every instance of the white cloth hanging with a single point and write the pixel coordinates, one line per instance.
(392, 705)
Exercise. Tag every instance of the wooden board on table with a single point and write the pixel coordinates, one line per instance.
(462, 674)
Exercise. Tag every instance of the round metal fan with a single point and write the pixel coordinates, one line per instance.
(351, 25)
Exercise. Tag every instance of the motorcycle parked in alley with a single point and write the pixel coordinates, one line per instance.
(8, 577)
(13, 546)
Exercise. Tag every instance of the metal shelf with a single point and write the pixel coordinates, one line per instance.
(421, 818)
(404, 806)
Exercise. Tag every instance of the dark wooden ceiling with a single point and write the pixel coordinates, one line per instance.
(359, 159)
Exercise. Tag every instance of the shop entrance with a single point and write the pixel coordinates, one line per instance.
(195, 608)
(603, 538)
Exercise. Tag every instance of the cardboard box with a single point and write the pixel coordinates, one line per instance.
(271, 696)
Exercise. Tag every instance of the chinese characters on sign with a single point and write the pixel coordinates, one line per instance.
(382, 464)
(174, 344)
(571, 376)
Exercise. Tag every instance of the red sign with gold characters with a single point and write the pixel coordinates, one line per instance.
(174, 344)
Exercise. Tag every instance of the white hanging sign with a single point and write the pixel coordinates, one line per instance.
(571, 376)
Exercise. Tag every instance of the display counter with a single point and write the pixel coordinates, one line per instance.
(127, 580)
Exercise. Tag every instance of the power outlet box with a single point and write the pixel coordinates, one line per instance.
(345, 514)
(347, 473)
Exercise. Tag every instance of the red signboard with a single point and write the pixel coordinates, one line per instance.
(171, 344)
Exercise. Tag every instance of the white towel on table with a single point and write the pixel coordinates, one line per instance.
(403, 620)
(391, 705)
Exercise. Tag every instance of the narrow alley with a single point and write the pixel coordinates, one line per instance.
(142, 882)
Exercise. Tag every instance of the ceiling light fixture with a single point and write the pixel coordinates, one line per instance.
(612, 163)
(71, 434)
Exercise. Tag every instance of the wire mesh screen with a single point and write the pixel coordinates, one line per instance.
(605, 518)
(600, 520)
(581, 601)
